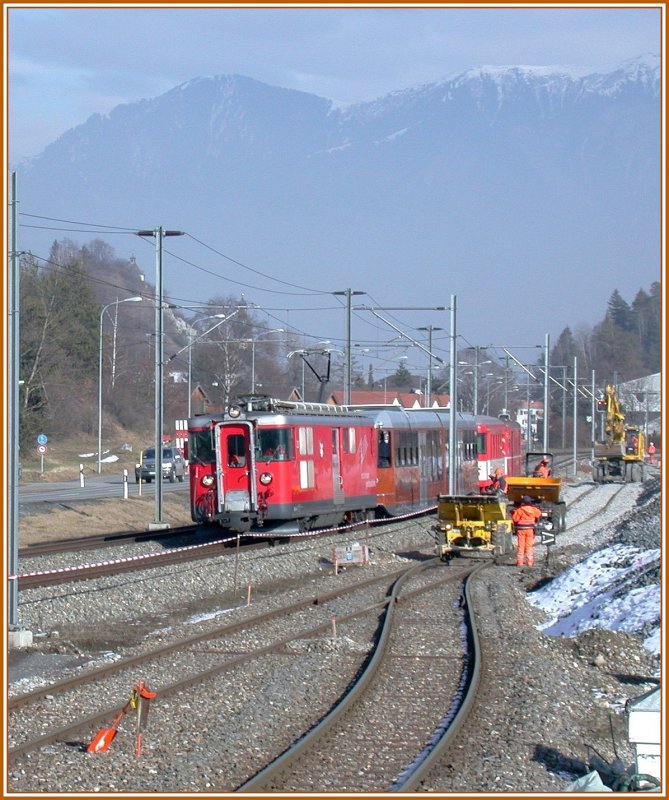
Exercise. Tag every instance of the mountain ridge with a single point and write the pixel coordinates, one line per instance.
(491, 172)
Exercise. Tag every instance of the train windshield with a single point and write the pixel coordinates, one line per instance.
(274, 444)
(201, 449)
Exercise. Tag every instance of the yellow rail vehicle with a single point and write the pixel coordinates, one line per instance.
(472, 524)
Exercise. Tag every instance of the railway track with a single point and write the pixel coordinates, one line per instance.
(409, 654)
(203, 544)
(386, 708)
(103, 540)
(191, 661)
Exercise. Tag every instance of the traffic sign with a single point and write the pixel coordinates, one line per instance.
(42, 439)
(41, 449)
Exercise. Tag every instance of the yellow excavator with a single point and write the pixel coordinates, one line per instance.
(620, 457)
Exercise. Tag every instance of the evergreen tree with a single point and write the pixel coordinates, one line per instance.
(620, 312)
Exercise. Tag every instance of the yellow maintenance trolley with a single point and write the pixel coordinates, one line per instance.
(472, 524)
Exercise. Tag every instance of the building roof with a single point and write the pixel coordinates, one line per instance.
(360, 397)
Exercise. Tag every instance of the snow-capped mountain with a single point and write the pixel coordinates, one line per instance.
(494, 172)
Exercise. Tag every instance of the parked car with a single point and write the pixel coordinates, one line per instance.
(174, 465)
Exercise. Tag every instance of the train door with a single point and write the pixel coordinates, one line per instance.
(337, 479)
(235, 467)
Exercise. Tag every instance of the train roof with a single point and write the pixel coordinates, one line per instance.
(391, 415)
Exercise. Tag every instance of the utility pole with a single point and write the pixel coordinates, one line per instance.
(348, 293)
(546, 392)
(16, 637)
(453, 405)
(158, 234)
(428, 388)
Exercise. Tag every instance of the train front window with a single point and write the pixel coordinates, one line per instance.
(236, 456)
(201, 448)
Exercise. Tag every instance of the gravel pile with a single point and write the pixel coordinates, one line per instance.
(554, 706)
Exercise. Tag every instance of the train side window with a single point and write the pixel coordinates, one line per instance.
(305, 441)
(481, 443)
(274, 444)
(349, 441)
(385, 449)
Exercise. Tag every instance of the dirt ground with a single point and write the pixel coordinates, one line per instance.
(47, 523)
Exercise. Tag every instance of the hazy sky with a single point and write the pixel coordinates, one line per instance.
(68, 63)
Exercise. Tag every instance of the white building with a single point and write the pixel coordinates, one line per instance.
(642, 402)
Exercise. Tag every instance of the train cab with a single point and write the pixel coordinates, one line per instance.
(303, 465)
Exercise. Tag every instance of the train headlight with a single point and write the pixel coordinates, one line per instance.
(207, 481)
(234, 412)
(265, 478)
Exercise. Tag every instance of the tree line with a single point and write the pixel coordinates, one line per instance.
(76, 324)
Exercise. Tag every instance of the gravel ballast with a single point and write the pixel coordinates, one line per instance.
(554, 705)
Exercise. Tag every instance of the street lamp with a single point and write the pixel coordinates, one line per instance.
(117, 302)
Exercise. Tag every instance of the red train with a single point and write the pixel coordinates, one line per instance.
(301, 466)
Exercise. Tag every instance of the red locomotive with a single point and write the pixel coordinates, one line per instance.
(301, 466)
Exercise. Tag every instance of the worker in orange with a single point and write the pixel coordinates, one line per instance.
(651, 453)
(543, 469)
(525, 518)
(497, 483)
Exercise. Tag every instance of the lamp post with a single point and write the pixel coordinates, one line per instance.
(158, 234)
(253, 341)
(117, 302)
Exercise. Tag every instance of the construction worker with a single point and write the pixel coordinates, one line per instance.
(651, 453)
(497, 483)
(543, 469)
(525, 518)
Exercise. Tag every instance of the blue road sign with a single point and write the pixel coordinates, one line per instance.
(42, 439)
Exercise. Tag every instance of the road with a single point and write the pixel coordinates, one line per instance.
(95, 488)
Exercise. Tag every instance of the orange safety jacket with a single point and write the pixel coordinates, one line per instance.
(526, 517)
